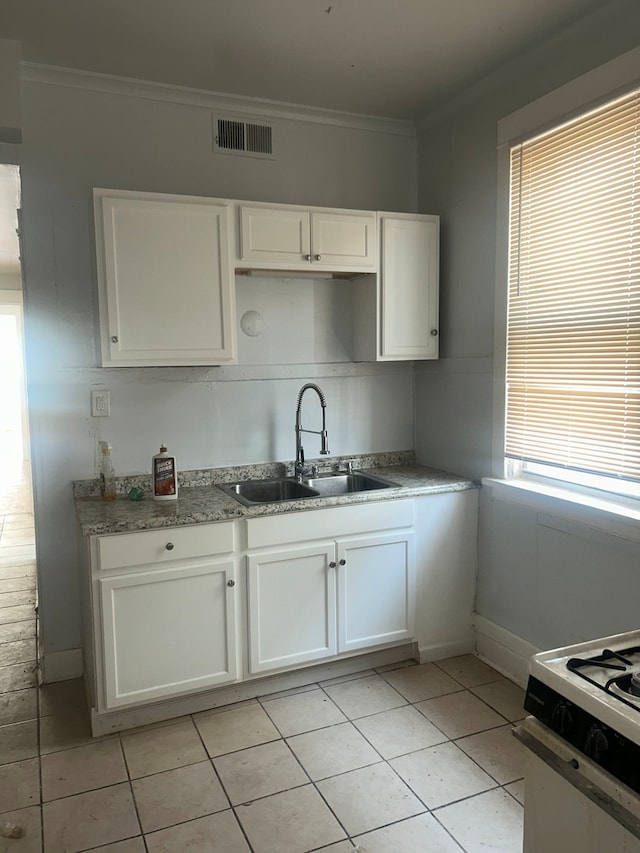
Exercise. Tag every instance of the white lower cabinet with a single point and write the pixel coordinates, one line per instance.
(167, 626)
(376, 591)
(172, 612)
(312, 602)
(292, 613)
(167, 632)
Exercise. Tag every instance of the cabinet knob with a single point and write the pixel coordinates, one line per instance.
(231, 583)
(317, 257)
(332, 565)
(343, 562)
(114, 339)
(169, 546)
(307, 257)
(434, 332)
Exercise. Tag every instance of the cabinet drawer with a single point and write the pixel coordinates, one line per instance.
(330, 523)
(170, 543)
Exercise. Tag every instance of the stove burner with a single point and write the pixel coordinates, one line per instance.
(617, 673)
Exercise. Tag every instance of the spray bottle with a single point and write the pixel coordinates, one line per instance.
(107, 474)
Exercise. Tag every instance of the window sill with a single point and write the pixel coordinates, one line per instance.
(616, 516)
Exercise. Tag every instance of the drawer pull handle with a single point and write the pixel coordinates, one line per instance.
(343, 562)
(332, 565)
(231, 583)
(317, 257)
(169, 546)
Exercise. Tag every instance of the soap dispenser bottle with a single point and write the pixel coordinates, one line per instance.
(107, 474)
(165, 476)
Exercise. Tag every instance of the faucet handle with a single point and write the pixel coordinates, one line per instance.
(314, 470)
(349, 467)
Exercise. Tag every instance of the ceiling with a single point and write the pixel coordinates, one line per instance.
(392, 58)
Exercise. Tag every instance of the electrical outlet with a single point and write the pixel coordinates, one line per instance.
(100, 404)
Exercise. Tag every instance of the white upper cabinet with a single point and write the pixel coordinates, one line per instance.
(396, 317)
(295, 238)
(165, 277)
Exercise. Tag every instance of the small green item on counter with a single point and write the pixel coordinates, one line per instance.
(135, 494)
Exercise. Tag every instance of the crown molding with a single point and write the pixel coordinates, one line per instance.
(34, 72)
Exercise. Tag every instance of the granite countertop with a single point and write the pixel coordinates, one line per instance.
(205, 502)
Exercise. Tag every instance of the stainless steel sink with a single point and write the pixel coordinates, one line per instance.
(343, 484)
(251, 492)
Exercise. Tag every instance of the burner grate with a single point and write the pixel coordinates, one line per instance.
(618, 662)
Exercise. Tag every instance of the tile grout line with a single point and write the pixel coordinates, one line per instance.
(222, 785)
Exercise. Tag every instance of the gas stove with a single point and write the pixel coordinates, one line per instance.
(589, 694)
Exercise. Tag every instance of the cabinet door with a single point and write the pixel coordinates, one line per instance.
(291, 607)
(165, 280)
(409, 288)
(376, 591)
(343, 241)
(167, 632)
(274, 237)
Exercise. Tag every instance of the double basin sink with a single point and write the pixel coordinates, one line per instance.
(251, 492)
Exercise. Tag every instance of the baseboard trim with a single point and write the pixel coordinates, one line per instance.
(103, 723)
(504, 651)
(61, 666)
(440, 651)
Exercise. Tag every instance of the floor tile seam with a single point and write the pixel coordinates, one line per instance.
(30, 588)
(283, 736)
(492, 680)
(492, 787)
(503, 722)
(16, 663)
(362, 716)
(476, 762)
(495, 787)
(93, 790)
(458, 689)
(352, 770)
(101, 846)
(263, 698)
(217, 775)
(261, 797)
(90, 790)
(446, 829)
(434, 724)
(332, 812)
(495, 710)
(227, 808)
(334, 725)
(347, 679)
(355, 838)
(206, 760)
(134, 801)
(504, 788)
(373, 746)
(12, 606)
(22, 663)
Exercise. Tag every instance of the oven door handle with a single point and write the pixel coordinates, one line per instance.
(570, 771)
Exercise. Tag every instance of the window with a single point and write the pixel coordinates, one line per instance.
(573, 323)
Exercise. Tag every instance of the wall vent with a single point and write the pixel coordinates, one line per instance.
(248, 138)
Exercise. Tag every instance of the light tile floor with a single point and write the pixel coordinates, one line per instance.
(405, 759)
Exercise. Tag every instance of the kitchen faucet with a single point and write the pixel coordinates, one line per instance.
(300, 470)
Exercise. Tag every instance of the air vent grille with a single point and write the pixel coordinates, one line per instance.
(243, 137)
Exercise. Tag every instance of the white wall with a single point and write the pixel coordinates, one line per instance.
(75, 139)
(546, 587)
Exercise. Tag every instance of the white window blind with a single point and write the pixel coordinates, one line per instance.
(573, 327)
